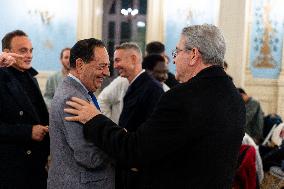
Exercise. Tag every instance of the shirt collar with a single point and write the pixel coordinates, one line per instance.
(76, 79)
(142, 71)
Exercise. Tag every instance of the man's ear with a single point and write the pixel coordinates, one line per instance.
(133, 58)
(6, 50)
(194, 55)
(79, 64)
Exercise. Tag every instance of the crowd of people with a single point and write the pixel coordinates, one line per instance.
(147, 129)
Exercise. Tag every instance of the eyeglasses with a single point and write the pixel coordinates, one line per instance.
(176, 51)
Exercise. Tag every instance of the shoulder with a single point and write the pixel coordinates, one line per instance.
(69, 89)
(252, 103)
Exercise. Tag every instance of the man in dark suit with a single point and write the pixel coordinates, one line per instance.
(193, 137)
(24, 144)
(143, 92)
(139, 101)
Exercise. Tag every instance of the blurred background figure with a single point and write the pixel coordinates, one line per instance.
(54, 80)
(111, 98)
(156, 66)
(254, 117)
(156, 47)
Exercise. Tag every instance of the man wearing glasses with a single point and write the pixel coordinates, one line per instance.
(193, 137)
(75, 163)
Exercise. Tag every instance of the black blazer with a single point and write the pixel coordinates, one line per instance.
(139, 101)
(21, 158)
(191, 140)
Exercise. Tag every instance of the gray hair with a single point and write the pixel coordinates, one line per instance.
(209, 40)
(129, 45)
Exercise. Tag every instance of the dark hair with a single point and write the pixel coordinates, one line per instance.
(62, 51)
(150, 61)
(155, 47)
(84, 49)
(6, 41)
(241, 91)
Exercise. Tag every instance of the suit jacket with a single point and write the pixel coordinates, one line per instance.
(75, 163)
(139, 101)
(22, 160)
(191, 140)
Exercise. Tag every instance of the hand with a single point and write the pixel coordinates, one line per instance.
(38, 132)
(8, 59)
(82, 110)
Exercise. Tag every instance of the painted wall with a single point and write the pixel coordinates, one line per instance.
(49, 32)
(182, 13)
(266, 38)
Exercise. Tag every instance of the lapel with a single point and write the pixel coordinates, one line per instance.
(132, 89)
(17, 92)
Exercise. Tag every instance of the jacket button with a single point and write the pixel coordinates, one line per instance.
(29, 152)
(21, 113)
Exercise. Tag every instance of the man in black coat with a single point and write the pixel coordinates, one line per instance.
(24, 143)
(193, 137)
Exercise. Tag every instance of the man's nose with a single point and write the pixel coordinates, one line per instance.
(106, 72)
(29, 54)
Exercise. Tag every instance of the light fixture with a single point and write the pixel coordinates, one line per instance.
(129, 12)
(141, 24)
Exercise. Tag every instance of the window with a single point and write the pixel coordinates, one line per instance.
(119, 28)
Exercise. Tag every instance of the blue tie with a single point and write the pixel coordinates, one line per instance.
(94, 99)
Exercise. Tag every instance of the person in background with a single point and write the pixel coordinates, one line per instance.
(139, 100)
(254, 117)
(193, 137)
(156, 47)
(24, 140)
(75, 163)
(111, 98)
(54, 80)
(155, 65)
(258, 163)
